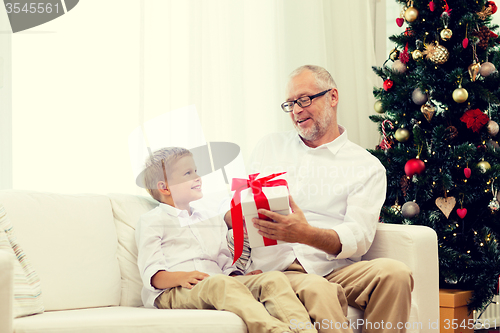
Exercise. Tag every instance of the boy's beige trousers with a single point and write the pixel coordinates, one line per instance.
(266, 302)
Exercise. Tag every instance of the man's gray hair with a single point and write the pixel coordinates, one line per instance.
(323, 79)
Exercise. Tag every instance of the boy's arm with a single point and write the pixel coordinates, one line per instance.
(165, 280)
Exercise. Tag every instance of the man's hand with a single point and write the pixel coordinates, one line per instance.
(292, 228)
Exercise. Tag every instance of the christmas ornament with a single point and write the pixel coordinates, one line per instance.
(402, 134)
(386, 142)
(388, 84)
(396, 209)
(398, 66)
(465, 42)
(451, 133)
(404, 56)
(493, 144)
(411, 13)
(460, 95)
(487, 68)
(492, 127)
(428, 110)
(474, 70)
(487, 11)
(408, 32)
(445, 33)
(461, 212)
(438, 54)
(378, 107)
(400, 21)
(474, 119)
(416, 55)
(494, 205)
(418, 96)
(492, 6)
(446, 205)
(394, 54)
(404, 182)
(410, 209)
(432, 6)
(484, 36)
(484, 166)
(415, 166)
(467, 172)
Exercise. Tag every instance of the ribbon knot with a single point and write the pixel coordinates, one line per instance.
(238, 185)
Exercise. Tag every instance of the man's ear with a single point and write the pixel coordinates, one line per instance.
(334, 97)
(163, 188)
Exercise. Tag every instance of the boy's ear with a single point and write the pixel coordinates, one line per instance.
(163, 188)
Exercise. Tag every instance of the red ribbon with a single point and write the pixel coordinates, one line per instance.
(239, 184)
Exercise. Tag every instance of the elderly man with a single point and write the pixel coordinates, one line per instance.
(340, 189)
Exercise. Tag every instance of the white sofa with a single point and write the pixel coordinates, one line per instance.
(83, 248)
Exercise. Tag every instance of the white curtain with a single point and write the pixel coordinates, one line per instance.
(83, 82)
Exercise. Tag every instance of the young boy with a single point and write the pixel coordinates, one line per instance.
(184, 260)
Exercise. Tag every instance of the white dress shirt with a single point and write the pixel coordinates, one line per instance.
(338, 185)
(169, 239)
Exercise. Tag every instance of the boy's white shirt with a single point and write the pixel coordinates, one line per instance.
(169, 239)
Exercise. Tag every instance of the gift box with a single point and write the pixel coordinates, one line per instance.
(455, 316)
(277, 198)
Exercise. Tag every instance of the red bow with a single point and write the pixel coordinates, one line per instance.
(260, 199)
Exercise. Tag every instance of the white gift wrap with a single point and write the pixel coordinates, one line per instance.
(278, 202)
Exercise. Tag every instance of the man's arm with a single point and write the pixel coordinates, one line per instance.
(164, 279)
(293, 228)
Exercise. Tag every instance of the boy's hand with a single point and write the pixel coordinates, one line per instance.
(190, 279)
(258, 271)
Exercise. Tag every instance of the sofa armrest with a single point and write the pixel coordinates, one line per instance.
(416, 246)
(6, 291)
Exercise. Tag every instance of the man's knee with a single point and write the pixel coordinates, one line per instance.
(275, 279)
(393, 270)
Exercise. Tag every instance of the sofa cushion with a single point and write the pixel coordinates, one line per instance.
(27, 290)
(71, 242)
(127, 209)
(123, 319)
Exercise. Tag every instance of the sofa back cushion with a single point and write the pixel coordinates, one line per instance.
(71, 242)
(127, 209)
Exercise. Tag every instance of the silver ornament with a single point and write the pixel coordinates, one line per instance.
(399, 66)
(419, 97)
(487, 69)
(494, 205)
(492, 127)
(410, 209)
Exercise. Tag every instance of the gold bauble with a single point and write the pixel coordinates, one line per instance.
(378, 107)
(428, 110)
(474, 71)
(411, 14)
(394, 55)
(460, 95)
(440, 55)
(416, 55)
(446, 34)
(484, 166)
(402, 134)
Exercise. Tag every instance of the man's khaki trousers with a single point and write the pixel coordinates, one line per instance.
(266, 302)
(380, 287)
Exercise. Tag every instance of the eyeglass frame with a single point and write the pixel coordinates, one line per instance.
(297, 100)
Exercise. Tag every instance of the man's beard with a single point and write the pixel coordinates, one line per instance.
(319, 128)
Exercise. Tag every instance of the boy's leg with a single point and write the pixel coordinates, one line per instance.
(325, 301)
(382, 288)
(274, 291)
(223, 293)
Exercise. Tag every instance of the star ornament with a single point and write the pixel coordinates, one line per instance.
(475, 119)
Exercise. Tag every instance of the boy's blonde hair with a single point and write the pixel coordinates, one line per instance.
(154, 169)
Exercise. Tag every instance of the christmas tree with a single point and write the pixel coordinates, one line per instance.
(438, 114)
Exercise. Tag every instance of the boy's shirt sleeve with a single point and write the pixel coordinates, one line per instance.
(150, 258)
(225, 259)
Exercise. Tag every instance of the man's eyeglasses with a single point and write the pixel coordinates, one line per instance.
(303, 102)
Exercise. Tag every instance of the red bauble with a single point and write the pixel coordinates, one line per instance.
(388, 84)
(400, 21)
(414, 166)
(465, 42)
(467, 172)
(432, 6)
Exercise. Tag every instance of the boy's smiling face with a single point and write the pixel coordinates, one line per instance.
(184, 183)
